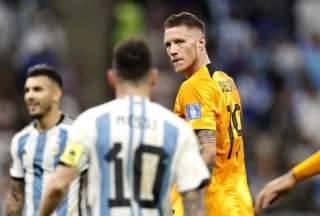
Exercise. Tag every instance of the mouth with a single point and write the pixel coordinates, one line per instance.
(32, 106)
(174, 61)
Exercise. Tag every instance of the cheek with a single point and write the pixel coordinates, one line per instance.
(44, 99)
(190, 54)
(168, 51)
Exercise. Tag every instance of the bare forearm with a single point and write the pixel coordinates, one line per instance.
(207, 140)
(56, 190)
(15, 200)
(273, 190)
(193, 203)
(13, 207)
(50, 202)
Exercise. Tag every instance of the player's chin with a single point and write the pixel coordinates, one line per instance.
(179, 70)
(36, 115)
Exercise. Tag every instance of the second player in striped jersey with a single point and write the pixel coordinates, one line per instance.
(36, 149)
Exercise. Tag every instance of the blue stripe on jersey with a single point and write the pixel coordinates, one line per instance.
(143, 118)
(131, 116)
(89, 211)
(21, 150)
(21, 144)
(63, 207)
(170, 142)
(102, 147)
(63, 134)
(38, 170)
(129, 162)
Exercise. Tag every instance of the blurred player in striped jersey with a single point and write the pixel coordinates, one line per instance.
(134, 147)
(209, 101)
(283, 184)
(36, 149)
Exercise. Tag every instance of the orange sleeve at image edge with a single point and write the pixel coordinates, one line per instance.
(307, 168)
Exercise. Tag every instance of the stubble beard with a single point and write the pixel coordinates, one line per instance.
(41, 114)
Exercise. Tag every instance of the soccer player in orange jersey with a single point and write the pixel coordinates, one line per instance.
(279, 186)
(209, 101)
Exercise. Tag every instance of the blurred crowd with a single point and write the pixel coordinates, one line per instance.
(271, 48)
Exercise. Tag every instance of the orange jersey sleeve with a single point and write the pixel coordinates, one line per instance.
(197, 103)
(307, 168)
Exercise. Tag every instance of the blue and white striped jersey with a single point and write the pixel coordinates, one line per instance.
(35, 156)
(135, 149)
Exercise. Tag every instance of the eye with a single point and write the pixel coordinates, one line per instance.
(37, 88)
(179, 41)
(26, 90)
(167, 44)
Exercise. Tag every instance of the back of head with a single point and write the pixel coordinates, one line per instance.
(45, 70)
(184, 19)
(132, 60)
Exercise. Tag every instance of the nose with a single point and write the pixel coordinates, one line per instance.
(173, 50)
(28, 96)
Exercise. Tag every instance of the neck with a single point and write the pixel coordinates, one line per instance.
(128, 89)
(48, 121)
(201, 62)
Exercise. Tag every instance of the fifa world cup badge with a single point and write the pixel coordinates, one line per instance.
(193, 111)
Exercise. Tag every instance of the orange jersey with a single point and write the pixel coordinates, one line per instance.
(307, 168)
(209, 99)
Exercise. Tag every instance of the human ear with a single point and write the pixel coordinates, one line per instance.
(111, 78)
(153, 76)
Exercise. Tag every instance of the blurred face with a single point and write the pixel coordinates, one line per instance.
(182, 45)
(39, 96)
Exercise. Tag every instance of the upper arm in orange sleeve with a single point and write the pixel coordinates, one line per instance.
(199, 105)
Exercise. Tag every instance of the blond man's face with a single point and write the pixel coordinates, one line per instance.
(182, 46)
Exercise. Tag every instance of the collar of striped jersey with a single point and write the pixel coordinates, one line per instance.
(211, 68)
(62, 116)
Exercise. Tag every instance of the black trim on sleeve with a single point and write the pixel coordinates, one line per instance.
(17, 179)
(81, 190)
(204, 183)
(63, 164)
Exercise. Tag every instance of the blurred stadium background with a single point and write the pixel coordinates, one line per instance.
(271, 48)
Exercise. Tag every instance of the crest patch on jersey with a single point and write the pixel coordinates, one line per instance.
(193, 111)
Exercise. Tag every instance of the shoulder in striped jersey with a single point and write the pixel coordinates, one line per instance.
(171, 117)
(26, 129)
(68, 120)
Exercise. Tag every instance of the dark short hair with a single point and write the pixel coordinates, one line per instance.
(132, 59)
(184, 19)
(45, 70)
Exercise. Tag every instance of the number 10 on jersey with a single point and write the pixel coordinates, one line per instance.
(146, 158)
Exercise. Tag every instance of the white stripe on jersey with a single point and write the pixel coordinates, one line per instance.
(35, 156)
(134, 149)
